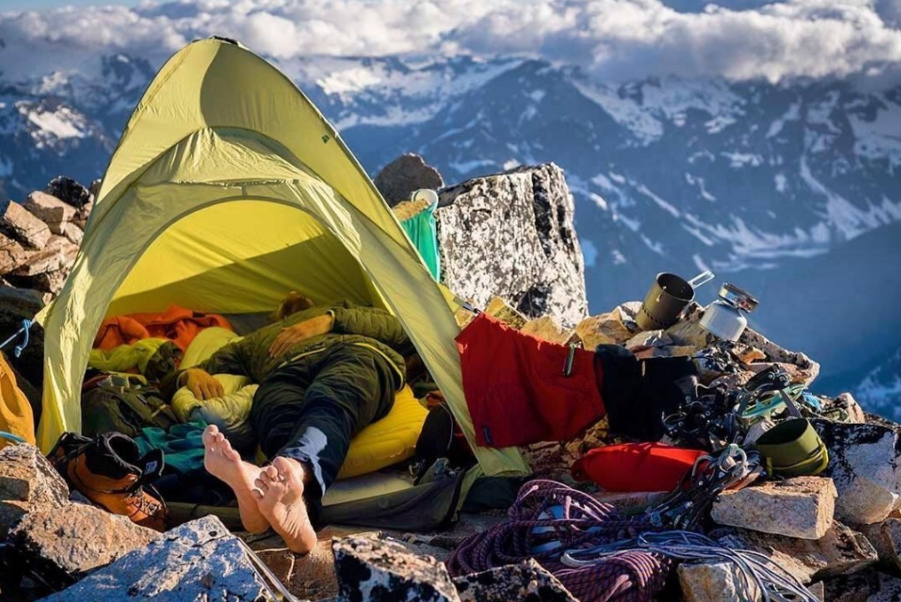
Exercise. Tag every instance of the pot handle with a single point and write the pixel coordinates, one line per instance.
(701, 279)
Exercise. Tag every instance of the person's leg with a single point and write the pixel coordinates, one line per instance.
(225, 463)
(352, 388)
(275, 411)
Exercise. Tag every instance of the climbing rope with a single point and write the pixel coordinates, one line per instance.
(549, 518)
(24, 333)
(756, 572)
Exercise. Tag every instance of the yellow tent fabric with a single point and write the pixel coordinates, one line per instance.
(228, 188)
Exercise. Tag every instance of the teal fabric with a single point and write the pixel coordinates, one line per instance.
(182, 446)
(423, 232)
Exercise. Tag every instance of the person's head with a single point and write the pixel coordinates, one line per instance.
(291, 304)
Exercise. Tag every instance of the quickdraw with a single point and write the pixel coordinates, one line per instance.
(686, 506)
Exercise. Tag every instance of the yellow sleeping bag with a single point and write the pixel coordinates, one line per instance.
(388, 441)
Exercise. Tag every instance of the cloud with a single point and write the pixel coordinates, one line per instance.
(611, 39)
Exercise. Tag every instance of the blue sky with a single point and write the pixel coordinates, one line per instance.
(42, 4)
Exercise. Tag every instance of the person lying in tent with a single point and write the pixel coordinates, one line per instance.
(325, 372)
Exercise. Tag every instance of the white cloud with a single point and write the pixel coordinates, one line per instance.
(613, 39)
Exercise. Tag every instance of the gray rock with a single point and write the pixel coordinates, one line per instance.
(888, 589)
(852, 588)
(48, 208)
(27, 483)
(198, 561)
(21, 225)
(546, 328)
(370, 568)
(886, 538)
(525, 582)
(605, 329)
(57, 254)
(863, 462)
(715, 582)
(802, 507)
(843, 408)
(12, 254)
(512, 235)
(818, 589)
(65, 544)
(69, 191)
(841, 551)
(404, 175)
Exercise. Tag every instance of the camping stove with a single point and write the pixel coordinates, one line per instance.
(725, 317)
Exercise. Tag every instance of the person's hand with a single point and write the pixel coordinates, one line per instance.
(292, 335)
(202, 384)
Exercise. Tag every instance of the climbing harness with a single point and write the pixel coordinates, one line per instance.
(686, 506)
(758, 576)
(24, 332)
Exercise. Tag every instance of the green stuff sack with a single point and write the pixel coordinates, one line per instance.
(793, 449)
(423, 233)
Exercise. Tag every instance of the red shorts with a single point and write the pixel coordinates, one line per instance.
(516, 390)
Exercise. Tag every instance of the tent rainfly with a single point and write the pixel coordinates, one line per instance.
(228, 189)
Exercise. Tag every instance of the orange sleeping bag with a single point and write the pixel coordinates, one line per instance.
(177, 324)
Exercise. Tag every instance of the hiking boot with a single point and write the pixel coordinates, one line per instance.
(110, 472)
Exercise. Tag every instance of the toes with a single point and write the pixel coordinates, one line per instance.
(256, 494)
(261, 484)
(230, 453)
(289, 469)
(209, 434)
(271, 472)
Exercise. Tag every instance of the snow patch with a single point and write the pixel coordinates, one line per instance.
(781, 182)
(792, 114)
(60, 124)
(738, 160)
(465, 167)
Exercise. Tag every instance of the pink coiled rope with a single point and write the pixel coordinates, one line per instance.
(549, 518)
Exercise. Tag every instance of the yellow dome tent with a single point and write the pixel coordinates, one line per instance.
(228, 189)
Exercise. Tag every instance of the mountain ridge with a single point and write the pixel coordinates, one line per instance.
(750, 179)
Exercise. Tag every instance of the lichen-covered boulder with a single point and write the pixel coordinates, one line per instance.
(370, 568)
(715, 582)
(864, 463)
(802, 507)
(512, 235)
(27, 483)
(840, 551)
(525, 582)
(196, 562)
(64, 544)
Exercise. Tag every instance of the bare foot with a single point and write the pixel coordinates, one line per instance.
(279, 494)
(226, 464)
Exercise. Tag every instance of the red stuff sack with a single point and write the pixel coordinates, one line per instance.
(636, 466)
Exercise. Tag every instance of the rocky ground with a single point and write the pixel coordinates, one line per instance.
(507, 244)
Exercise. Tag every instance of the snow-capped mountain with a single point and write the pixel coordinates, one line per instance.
(771, 186)
(880, 391)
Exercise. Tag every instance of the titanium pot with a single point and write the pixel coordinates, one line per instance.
(724, 318)
(666, 300)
